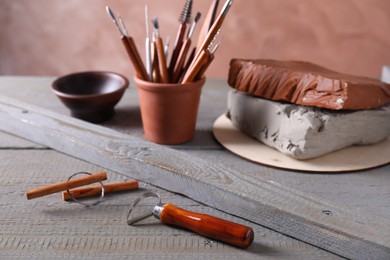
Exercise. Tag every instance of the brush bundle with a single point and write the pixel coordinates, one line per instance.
(186, 64)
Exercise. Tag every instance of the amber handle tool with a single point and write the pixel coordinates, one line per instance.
(202, 224)
(215, 28)
(159, 47)
(97, 190)
(208, 22)
(183, 19)
(130, 47)
(204, 58)
(181, 60)
(62, 186)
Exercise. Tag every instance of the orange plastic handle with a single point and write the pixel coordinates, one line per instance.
(208, 226)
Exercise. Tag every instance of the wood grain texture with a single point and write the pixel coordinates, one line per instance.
(50, 227)
(366, 191)
(267, 203)
(127, 119)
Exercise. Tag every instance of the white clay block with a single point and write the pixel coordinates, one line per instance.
(306, 132)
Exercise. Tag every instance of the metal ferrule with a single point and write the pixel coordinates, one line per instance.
(157, 210)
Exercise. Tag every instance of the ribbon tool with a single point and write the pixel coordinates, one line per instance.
(202, 224)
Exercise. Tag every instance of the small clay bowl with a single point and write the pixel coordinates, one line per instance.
(92, 95)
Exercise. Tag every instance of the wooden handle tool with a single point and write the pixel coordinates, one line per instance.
(162, 63)
(183, 19)
(202, 224)
(181, 60)
(135, 57)
(130, 47)
(159, 48)
(215, 28)
(97, 190)
(202, 60)
(62, 186)
(205, 225)
(208, 22)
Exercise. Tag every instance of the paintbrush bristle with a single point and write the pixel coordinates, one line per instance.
(197, 17)
(186, 12)
(110, 13)
(155, 23)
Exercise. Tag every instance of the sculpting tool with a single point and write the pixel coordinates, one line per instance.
(166, 46)
(130, 47)
(148, 56)
(97, 190)
(209, 226)
(208, 22)
(202, 62)
(211, 35)
(207, 62)
(159, 46)
(183, 19)
(184, 50)
(70, 184)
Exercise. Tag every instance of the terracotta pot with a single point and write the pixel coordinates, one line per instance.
(169, 111)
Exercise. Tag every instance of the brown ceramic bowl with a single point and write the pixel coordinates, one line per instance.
(92, 95)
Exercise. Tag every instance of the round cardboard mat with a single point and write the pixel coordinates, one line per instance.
(349, 159)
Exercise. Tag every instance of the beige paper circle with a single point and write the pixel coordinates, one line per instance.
(349, 159)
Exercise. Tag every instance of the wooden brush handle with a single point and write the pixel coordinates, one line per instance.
(181, 60)
(208, 226)
(194, 70)
(205, 66)
(135, 57)
(58, 187)
(189, 61)
(97, 190)
(162, 63)
(177, 47)
(156, 77)
(208, 22)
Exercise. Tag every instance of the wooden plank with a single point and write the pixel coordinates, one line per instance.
(54, 227)
(127, 119)
(8, 141)
(366, 191)
(346, 233)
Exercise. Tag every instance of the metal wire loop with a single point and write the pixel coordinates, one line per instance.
(81, 202)
(142, 217)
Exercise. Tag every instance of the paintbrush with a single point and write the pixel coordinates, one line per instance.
(208, 61)
(166, 46)
(183, 19)
(184, 50)
(148, 56)
(210, 36)
(130, 47)
(208, 22)
(202, 62)
(159, 46)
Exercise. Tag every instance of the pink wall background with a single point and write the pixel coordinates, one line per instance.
(55, 37)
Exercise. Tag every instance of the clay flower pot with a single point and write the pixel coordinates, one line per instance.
(169, 111)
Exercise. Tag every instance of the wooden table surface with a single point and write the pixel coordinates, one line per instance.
(48, 227)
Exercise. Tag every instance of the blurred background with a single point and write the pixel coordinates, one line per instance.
(55, 37)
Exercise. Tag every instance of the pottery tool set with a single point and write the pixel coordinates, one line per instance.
(184, 65)
(169, 214)
(69, 193)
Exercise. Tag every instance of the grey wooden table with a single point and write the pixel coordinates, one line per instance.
(50, 228)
